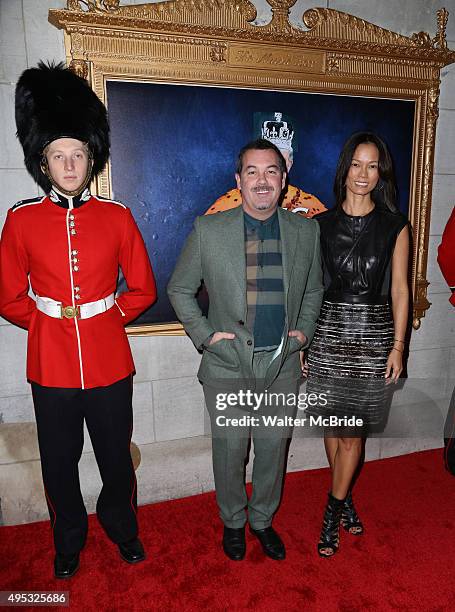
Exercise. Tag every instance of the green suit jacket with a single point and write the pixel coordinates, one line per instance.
(215, 253)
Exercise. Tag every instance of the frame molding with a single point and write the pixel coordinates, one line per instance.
(212, 42)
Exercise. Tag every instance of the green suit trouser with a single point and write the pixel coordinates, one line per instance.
(232, 426)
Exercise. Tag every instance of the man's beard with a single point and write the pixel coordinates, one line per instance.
(266, 205)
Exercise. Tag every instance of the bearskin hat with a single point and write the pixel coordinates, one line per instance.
(52, 102)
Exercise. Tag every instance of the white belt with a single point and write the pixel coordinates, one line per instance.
(83, 311)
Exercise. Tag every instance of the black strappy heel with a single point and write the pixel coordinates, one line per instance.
(349, 518)
(330, 533)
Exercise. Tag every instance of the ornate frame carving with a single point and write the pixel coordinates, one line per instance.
(214, 42)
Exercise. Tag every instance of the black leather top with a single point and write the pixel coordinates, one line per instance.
(365, 276)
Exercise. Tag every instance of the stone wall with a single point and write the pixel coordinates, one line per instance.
(170, 420)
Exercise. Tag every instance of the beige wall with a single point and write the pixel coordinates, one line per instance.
(169, 412)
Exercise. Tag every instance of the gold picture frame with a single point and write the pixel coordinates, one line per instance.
(213, 42)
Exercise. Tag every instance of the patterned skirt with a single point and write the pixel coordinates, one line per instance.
(347, 362)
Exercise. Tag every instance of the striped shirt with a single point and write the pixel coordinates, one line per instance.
(264, 278)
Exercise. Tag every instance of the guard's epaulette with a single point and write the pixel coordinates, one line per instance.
(29, 202)
(103, 199)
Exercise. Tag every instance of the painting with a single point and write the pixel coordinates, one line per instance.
(187, 84)
(174, 153)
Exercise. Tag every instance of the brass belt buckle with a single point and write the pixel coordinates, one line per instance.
(70, 312)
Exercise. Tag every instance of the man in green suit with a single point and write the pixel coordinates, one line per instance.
(261, 267)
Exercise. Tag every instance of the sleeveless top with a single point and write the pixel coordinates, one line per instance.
(365, 276)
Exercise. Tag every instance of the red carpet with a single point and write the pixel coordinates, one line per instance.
(405, 560)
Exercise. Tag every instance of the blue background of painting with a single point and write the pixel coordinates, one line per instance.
(174, 149)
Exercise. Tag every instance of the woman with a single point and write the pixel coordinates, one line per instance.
(360, 337)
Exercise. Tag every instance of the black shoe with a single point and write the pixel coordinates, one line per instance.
(132, 551)
(349, 518)
(330, 532)
(271, 543)
(66, 566)
(234, 544)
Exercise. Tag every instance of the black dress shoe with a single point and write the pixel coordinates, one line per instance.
(271, 543)
(234, 543)
(66, 566)
(132, 551)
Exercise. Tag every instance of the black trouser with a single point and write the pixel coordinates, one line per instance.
(108, 413)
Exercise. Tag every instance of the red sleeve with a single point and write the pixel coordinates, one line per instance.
(446, 255)
(15, 303)
(137, 271)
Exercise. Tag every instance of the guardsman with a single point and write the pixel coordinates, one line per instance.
(65, 249)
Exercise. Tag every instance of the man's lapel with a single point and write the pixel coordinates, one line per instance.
(289, 240)
(234, 246)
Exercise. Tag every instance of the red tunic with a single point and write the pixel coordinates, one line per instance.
(72, 256)
(446, 255)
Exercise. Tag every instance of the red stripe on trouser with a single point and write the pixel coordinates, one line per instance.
(132, 496)
(446, 452)
(52, 507)
(449, 445)
(134, 473)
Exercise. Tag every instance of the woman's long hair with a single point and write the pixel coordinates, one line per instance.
(385, 192)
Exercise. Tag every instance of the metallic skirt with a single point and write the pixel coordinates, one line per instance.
(347, 361)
